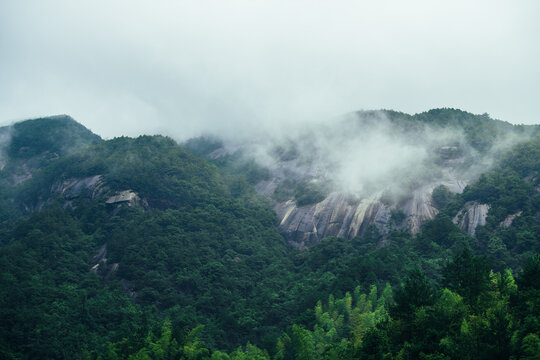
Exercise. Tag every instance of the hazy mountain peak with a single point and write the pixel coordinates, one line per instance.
(59, 134)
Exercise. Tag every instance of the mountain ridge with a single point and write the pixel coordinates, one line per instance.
(458, 145)
(325, 211)
(109, 240)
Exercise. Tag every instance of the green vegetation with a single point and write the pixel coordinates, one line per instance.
(420, 320)
(441, 196)
(198, 270)
(54, 135)
(304, 193)
(480, 131)
(511, 191)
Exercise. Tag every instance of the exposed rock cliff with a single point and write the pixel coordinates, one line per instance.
(471, 216)
(126, 196)
(337, 215)
(91, 187)
(75, 187)
(344, 215)
(101, 266)
(507, 222)
(419, 208)
(340, 177)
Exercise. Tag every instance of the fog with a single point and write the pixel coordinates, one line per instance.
(236, 68)
(364, 153)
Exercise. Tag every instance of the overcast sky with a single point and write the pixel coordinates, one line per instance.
(182, 67)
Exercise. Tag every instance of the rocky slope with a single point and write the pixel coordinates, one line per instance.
(412, 156)
(369, 169)
(471, 216)
(345, 215)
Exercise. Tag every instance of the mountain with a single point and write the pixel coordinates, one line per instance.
(29, 145)
(376, 168)
(150, 220)
(128, 247)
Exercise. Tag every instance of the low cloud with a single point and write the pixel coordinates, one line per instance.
(238, 67)
(363, 153)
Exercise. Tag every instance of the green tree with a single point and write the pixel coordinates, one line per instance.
(468, 275)
(416, 292)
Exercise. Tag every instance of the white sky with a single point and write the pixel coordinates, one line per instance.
(183, 67)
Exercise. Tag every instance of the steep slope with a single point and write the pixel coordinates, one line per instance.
(143, 225)
(29, 145)
(339, 179)
(511, 194)
(112, 239)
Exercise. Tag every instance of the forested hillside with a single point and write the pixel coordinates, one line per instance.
(339, 178)
(144, 249)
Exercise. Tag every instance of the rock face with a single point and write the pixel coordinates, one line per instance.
(506, 223)
(91, 187)
(368, 169)
(419, 208)
(75, 187)
(347, 215)
(266, 187)
(126, 196)
(337, 215)
(101, 265)
(471, 216)
(341, 215)
(24, 175)
(361, 185)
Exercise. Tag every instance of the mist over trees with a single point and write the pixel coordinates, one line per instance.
(141, 248)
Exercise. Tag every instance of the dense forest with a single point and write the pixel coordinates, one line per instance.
(141, 248)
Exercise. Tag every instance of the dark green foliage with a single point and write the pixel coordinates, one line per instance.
(309, 193)
(502, 189)
(55, 136)
(468, 275)
(397, 216)
(156, 168)
(480, 130)
(205, 251)
(285, 190)
(199, 254)
(423, 323)
(374, 345)
(523, 158)
(203, 145)
(441, 196)
(240, 166)
(440, 230)
(220, 262)
(249, 169)
(529, 278)
(510, 191)
(50, 303)
(526, 305)
(304, 193)
(415, 293)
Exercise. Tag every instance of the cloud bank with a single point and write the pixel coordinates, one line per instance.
(231, 67)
